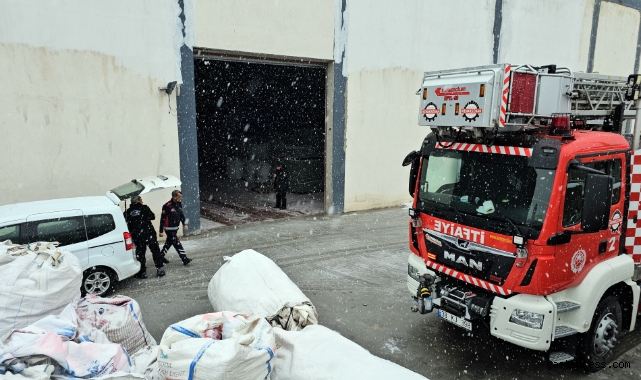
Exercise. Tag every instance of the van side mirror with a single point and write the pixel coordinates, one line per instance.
(597, 196)
(413, 158)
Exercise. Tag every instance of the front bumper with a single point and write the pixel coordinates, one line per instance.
(418, 263)
(500, 311)
(127, 268)
(523, 336)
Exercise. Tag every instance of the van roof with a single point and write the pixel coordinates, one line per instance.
(20, 211)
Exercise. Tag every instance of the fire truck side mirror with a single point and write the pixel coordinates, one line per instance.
(413, 158)
(410, 158)
(596, 202)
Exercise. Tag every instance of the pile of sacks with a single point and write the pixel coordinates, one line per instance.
(252, 284)
(47, 331)
(264, 327)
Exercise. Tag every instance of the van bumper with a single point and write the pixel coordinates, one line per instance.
(127, 268)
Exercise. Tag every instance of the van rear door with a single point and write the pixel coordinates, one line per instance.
(65, 227)
(142, 186)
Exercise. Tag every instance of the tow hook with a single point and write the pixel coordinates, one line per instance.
(423, 294)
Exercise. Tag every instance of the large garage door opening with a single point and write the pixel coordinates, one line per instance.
(250, 117)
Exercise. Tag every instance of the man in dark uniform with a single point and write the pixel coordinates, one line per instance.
(139, 217)
(172, 216)
(281, 185)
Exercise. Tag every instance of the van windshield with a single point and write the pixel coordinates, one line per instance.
(487, 184)
(128, 190)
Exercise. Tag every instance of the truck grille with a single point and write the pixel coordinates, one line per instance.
(482, 262)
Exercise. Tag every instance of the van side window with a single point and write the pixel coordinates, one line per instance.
(573, 205)
(98, 225)
(10, 233)
(65, 231)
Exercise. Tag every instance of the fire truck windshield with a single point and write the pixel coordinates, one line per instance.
(487, 184)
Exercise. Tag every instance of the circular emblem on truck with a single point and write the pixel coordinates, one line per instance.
(578, 260)
(471, 111)
(615, 222)
(430, 111)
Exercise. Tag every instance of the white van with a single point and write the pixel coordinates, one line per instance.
(92, 228)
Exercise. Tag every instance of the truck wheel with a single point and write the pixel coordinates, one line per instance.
(597, 344)
(98, 281)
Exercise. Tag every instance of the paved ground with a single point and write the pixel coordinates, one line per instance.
(353, 268)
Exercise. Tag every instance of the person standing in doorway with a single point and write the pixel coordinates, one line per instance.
(139, 217)
(281, 185)
(172, 216)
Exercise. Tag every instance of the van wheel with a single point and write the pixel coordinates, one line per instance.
(596, 347)
(97, 281)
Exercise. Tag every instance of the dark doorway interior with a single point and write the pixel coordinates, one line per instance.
(250, 116)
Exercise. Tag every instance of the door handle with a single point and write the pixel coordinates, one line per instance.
(603, 246)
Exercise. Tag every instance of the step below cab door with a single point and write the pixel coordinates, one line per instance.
(65, 227)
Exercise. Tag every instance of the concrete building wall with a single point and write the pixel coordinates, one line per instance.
(389, 46)
(290, 28)
(616, 41)
(81, 111)
(541, 32)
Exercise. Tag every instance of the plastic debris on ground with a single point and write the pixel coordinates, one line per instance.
(319, 353)
(252, 284)
(217, 346)
(36, 280)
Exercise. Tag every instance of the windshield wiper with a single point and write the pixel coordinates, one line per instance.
(503, 218)
(459, 216)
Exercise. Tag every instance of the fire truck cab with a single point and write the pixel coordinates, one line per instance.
(525, 200)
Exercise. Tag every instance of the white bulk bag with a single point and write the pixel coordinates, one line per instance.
(217, 346)
(63, 339)
(119, 317)
(253, 284)
(39, 372)
(319, 353)
(36, 280)
(145, 362)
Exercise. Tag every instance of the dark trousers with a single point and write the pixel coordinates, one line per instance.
(141, 251)
(281, 199)
(172, 239)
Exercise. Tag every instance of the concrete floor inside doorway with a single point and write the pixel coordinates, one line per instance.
(228, 203)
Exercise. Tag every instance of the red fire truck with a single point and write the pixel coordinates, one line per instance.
(525, 208)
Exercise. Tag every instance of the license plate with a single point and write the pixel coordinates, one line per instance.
(460, 322)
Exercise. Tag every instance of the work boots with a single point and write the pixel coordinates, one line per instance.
(186, 260)
(160, 272)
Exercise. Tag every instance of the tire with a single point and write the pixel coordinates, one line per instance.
(98, 281)
(596, 346)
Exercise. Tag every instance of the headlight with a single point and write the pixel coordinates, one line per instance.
(413, 272)
(527, 319)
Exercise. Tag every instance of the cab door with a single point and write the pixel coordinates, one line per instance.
(586, 249)
(65, 227)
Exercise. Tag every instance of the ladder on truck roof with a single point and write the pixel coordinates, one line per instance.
(599, 95)
(593, 96)
(512, 97)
